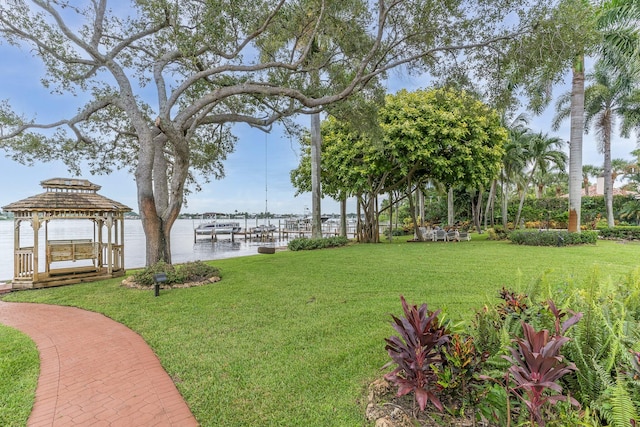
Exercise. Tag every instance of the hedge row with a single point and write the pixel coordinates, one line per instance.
(621, 232)
(552, 238)
(304, 244)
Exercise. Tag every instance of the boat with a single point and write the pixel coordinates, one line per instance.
(213, 224)
(218, 227)
(264, 228)
(303, 222)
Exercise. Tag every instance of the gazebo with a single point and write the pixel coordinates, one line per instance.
(72, 260)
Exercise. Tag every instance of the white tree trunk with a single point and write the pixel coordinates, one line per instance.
(575, 145)
(608, 178)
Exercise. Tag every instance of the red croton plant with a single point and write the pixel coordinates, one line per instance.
(415, 352)
(537, 365)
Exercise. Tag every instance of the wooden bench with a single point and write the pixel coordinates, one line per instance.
(71, 250)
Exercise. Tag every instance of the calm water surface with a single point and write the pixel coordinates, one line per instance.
(183, 248)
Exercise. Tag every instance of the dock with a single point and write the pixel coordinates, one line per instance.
(284, 230)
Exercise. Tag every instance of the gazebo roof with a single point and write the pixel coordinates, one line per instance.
(67, 194)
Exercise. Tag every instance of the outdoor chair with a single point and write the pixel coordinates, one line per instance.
(425, 234)
(439, 235)
(464, 235)
(453, 236)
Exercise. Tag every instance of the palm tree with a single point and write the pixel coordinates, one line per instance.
(617, 37)
(543, 179)
(609, 96)
(631, 211)
(575, 143)
(589, 171)
(513, 164)
(618, 167)
(632, 172)
(560, 181)
(512, 161)
(618, 23)
(542, 152)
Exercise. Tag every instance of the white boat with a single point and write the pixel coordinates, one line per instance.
(264, 228)
(218, 227)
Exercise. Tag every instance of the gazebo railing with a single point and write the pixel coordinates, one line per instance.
(24, 267)
(116, 256)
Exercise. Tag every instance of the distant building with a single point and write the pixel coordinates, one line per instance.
(598, 189)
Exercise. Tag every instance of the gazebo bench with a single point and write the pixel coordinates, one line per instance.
(71, 250)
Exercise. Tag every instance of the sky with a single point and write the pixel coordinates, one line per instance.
(256, 173)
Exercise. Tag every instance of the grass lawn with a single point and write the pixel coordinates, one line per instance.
(294, 338)
(19, 368)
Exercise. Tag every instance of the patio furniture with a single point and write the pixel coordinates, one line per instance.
(439, 235)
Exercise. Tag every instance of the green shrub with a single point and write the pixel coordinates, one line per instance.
(621, 232)
(399, 232)
(305, 244)
(498, 233)
(196, 271)
(552, 238)
(189, 272)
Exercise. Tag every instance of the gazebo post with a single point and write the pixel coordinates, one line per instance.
(99, 223)
(121, 240)
(46, 244)
(16, 247)
(109, 223)
(35, 224)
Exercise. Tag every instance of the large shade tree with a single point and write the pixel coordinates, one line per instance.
(161, 78)
(442, 135)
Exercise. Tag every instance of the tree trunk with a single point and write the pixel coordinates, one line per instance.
(450, 211)
(359, 219)
(523, 195)
(343, 216)
(490, 203)
(155, 243)
(505, 205)
(390, 215)
(414, 215)
(397, 205)
(608, 176)
(316, 191)
(586, 186)
(575, 145)
(367, 230)
(476, 210)
(376, 222)
(421, 205)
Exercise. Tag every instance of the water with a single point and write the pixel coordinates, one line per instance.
(183, 248)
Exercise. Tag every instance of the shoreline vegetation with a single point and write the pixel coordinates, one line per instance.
(296, 337)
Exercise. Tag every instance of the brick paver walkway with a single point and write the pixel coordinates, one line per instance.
(95, 371)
